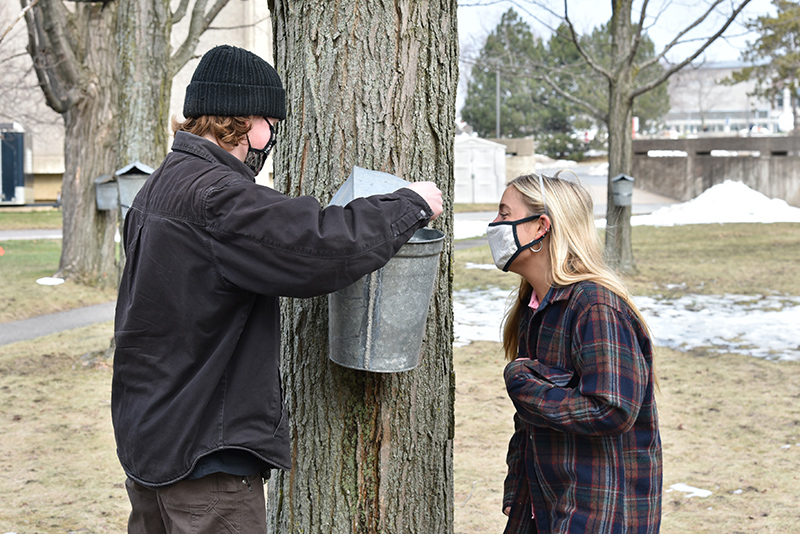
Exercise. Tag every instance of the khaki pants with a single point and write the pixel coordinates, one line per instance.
(215, 503)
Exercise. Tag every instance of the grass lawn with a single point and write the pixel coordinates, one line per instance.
(27, 219)
(730, 423)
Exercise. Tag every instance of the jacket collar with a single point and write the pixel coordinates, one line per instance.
(203, 148)
(555, 294)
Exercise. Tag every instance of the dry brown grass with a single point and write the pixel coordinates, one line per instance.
(725, 424)
(58, 468)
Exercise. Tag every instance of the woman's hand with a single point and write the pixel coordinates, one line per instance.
(507, 510)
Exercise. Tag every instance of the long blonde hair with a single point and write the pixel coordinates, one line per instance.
(576, 253)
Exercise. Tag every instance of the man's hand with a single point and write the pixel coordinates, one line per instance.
(431, 194)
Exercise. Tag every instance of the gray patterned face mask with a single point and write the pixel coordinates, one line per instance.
(504, 241)
(256, 158)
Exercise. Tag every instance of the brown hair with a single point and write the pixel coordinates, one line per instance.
(228, 131)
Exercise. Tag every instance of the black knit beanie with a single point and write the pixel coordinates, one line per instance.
(233, 82)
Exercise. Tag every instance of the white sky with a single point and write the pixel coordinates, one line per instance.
(762, 326)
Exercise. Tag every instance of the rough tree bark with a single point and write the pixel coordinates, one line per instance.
(145, 80)
(369, 84)
(74, 55)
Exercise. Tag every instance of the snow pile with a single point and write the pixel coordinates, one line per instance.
(728, 202)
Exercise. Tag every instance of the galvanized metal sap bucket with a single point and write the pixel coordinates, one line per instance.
(378, 323)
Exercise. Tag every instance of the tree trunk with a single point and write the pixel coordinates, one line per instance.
(373, 85)
(145, 80)
(618, 249)
(88, 248)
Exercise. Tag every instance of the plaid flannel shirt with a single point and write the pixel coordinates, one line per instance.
(586, 451)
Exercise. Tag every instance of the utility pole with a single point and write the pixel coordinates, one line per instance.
(497, 104)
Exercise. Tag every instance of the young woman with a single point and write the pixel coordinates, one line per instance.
(586, 452)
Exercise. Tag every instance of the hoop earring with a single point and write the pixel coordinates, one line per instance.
(538, 249)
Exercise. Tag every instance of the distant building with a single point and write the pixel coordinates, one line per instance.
(701, 105)
(480, 170)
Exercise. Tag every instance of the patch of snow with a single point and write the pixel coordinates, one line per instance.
(760, 326)
(691, 491)
(728, 202)
(50, 281)
(666, 154)
(482, 266)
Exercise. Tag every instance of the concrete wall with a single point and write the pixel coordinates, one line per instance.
(770, 165)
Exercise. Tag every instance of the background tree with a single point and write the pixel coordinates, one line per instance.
(622, 73)
(110, 79)
(774, 56)
(368, 84)
(528, 108)
(145, 73)
(587, 84)
(531, 107)
(507, 50)
(74, 52)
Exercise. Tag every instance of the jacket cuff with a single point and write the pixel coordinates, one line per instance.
(425, 211)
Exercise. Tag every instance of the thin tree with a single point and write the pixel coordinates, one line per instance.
(622, 76)
(368, 84)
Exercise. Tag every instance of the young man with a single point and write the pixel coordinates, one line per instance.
(196, 397)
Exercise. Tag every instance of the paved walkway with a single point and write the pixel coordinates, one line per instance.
(18, 235)
(44, 325)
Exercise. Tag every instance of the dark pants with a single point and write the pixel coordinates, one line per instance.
(215, 503)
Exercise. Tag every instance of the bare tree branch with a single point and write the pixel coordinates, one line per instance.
(676, 67)
(199, 23)
(45, 73)
(19, 17)
(181, 11)
(596, 112)
(62, 56)
(693, 25)
(581, 50)
(637, 40)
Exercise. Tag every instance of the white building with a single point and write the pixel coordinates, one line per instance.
(700, 104)
(480, 170)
